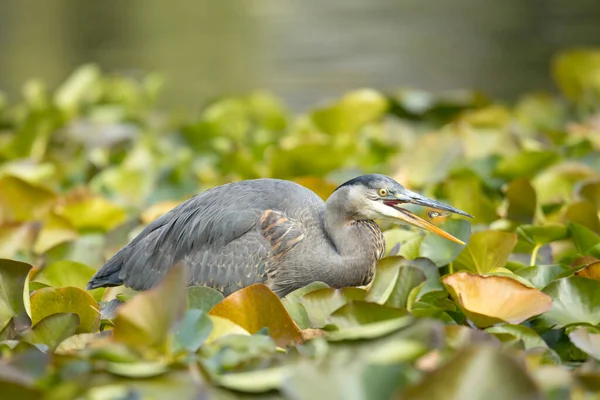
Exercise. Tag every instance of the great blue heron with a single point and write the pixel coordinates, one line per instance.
(270, 231)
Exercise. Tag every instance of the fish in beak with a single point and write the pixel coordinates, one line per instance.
(405, 196)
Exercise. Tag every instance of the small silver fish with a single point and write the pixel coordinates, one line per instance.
(437, 214)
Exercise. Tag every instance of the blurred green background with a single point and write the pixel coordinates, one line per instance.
(305, 51)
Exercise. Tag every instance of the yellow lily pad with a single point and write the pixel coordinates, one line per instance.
(488, 300)
(55, 230)
(48, 301)
(92, 213)
(256, 307)
(23, 201)
(591, 271)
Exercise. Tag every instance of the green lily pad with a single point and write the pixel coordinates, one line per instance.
(584, 213)
(137, 370)
(93, 213)
(55, 230)
(575, 300)
(192, 331)
(542, 234)
(477, 372)
(371, 330)
(294, 307)
(12, 281)
(52, 330)
(203, 298)
(542, 275)
(486, 251)
(576, 72)
(319, 304)
(442, 251)
(68, 273)
(258, 381)
(49, 301)
(356, 313)
(528, 336)
(586, 241)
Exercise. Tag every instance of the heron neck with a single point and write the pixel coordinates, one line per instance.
(358, 244)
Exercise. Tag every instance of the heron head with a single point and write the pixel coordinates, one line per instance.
(380, 197)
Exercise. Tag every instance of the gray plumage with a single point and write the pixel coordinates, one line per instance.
(266, 230)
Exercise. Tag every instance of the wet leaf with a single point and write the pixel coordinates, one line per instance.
(203, 298)
(442, 251)
(486, 251)
(488, 300)
(256, 307)
(319, 304)
(12, 280)
(49, 301)
(587, 339)
(193, 330)
(52, 330)
(575, 300)
(147, 319)
(477, 373)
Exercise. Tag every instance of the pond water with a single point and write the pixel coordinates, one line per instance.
(306, 51)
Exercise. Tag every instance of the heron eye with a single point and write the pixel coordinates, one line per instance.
(383, 192)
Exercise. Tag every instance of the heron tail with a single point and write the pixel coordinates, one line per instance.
(108, 274)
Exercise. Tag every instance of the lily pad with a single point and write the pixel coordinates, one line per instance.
(488, 300)
(478, 372)
(148, 318)
(193, 330)
(319, 304)
(256, 307)
(575, 300)
(49, 301)
(528, 336)
(203, 298)
(23, 201)
(442, 251)
(12, 281)
(587, 339)
(55, 230)
(52, 330)
(486, 251)
(586, 241)
(591, 271)
(357, 313)
(93, 213)
(294, 307)
(67, 273)
(522, 203)
(542, 275)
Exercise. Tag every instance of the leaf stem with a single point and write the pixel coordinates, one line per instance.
(451, 268)
(534, 255)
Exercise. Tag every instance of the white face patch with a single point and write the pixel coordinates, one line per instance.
(370, 207)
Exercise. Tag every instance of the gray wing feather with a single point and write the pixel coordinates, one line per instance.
(220, 234)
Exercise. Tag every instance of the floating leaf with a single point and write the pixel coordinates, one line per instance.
(486, 251)
(256, 307)
(203, 297)
(49, 301)
(16, 238)
(319, 304)
(15, 384)
(138, 370)
(65, 273)
(542, 275)
(586, 241)
(584, 213)
(587, 339)
(258, 381)
(442, 251)
(477, 372)
(543, 234)
(23, 201)
(52, 330)
(525, 164)
(521, 201)
(487, 300)
(591, 271)
(55, 230)
(12, 280)
(147, 319)
(528, 336)
(575, 300)
(222, 327)
(93, 213)
(371, 330)
(193, 330)
(576, 72)
(294, 307)
(361, 312)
